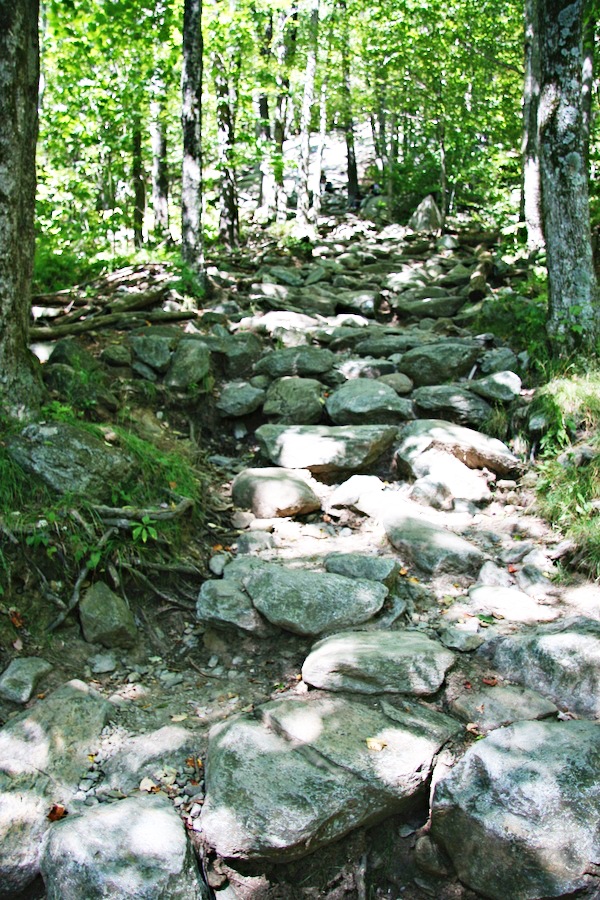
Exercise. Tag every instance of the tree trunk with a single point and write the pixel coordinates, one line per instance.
(531, 198)
(20, 384)
(317, 179)
(285, 53)
(139, 188)
(572, 291)
(302, 212)
(229, 228)
(160, 171)
(192, 245)
(348, 121)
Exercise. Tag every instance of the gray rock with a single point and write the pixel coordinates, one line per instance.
(238, 353)
(313, 602)
(136, 848)
(70, 459)
(155, 349)
(296, 401)
(105, 618)
(190, 365)
(439, 362)
(429, 307)
(500, 386)
(283, 275)
(238, 398)
(149, 755)
(366, 402)
(398, 382)
(500, 359)
(404, 662)
(78, 387)
(321, 448)
(312, 770)
(255, 541)
(275, 492)
(361, 368)
(560, 660)
(358, 565)
(426, 217)
(296, 361)
(43, 753)
(116, 355)
(70, 352)
(387, 344)
(452, 402)
(19, 680)
(430, 547)
(474, 449)
(447, 472)
(456, 638)
(364, 302)
(518, 814)
(225, 604)
(492, 707)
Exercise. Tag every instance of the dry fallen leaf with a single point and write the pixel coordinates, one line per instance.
(468, 685)
(57, 812)
(180, 717)
(512, 569)
(18, 644)
(16, 618)
(146, 784)
(472, 727)
(491, 682)
(376, 744)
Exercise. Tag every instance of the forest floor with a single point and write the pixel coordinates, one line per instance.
(183, 672)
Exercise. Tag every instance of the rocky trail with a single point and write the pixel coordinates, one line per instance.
(377, 687)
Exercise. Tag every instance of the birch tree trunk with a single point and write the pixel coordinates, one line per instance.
(139, 188)
(160, 170)
(229, 227)
(531, 201)
(20, 384)
(302, 212)
(348, 121)
(572, 291)
(285, 52)
(192, 245)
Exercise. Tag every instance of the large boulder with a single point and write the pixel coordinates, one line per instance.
(426, 216)
(323, 448)
(363, 401)
(296, 361)
(313, 769)
(560, 660)
(225, 604)
(106, 618)
(70, 459)
(190, 366)
(275, 492)
(313, 602)
(518, 815)
(19, 680)
(404, 662)
(238, 398)
(136, 848)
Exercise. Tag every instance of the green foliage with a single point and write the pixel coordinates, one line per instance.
(569, 406)
(144, 531)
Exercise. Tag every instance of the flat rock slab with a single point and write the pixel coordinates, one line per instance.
(70, 459)
(560, 660)
(510, 603)
(474, 449)
(518, 815)
(296, 361)
(19, 680)
(451, 476)
(147, 756)
(136, 848)
(492, 707)
(275, 492)
(323, 448)
(429, 307)
(313, 602)
(311, 770)
(429, 547)
(404, 662)
(358, 565)
(499, 386)
(225, 604)
(364, 401)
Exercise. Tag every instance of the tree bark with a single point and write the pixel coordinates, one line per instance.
(531, 197)
(348, 120)
(139, 188)
(229, 226)
(587, 75)
(20, 384)
(572, 290)
(285, 52)
(302, 212)
(192, 246)
(160, 171)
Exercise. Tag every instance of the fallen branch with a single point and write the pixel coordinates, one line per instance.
(122, 320)
(129, 514)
